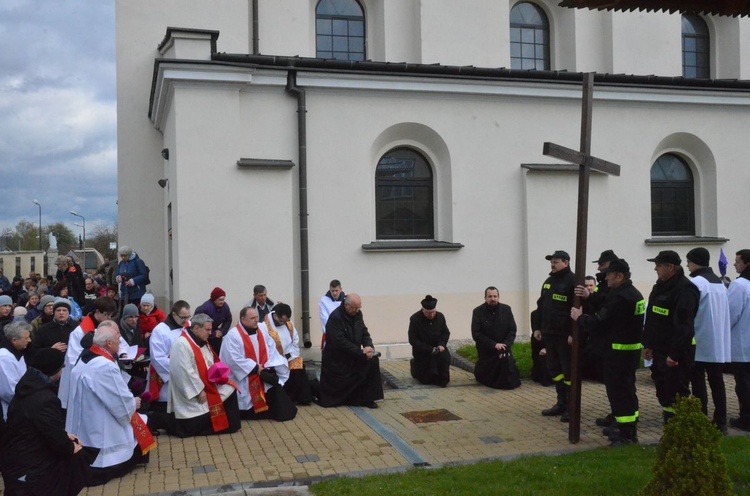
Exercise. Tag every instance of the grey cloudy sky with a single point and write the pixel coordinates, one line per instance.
(58, 140)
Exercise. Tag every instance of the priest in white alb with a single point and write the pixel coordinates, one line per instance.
(103, 412)
(162, 338)
(201, 400)
(278, 324)
(258, 370)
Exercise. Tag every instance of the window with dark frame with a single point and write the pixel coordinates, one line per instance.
(403, 196)
(672, 197)
(529, 37)
(696, 43)
(340, 30)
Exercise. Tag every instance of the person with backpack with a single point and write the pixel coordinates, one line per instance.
(132, 276)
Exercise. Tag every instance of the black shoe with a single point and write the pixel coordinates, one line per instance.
(739, 424)
(565, 417)
(611, 430)
(370, 404)
(621, 441)
(554, 411)
(606, 421)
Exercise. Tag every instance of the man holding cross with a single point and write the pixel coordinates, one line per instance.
(552, 323)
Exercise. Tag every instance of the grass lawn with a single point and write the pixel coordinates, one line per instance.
(621, 471)
(521, 352)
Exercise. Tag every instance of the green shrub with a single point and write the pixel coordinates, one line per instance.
(521, 352)
(688, 459)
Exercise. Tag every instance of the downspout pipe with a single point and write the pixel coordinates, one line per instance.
(292, 88)
(256, 27)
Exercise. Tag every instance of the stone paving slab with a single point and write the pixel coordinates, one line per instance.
(326, 442)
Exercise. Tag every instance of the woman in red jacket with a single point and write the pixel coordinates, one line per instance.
(149, 316)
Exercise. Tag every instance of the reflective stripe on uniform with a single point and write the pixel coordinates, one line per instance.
(547, 286)
(567, 383)
(626, 347)
(559, 297)
(558, 378)
(640, 307)
(660, 311)
(627, 419)
(668, 409)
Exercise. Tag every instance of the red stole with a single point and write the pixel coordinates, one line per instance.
(141, 431)
(87, 325)
(218, 415)
(255, 384)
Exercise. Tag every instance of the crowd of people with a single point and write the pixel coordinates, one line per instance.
(89, 395)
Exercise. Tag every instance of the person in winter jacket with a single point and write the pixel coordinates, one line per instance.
(37, 456)
(132, 276)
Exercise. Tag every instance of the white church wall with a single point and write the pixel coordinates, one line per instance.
(646, 43)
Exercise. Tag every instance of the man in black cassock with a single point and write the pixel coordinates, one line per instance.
(493, 329)
(350, 370)
(428, 336)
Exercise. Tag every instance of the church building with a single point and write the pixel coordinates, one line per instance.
(397, 145)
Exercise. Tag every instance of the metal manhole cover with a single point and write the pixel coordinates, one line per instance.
(426, 416)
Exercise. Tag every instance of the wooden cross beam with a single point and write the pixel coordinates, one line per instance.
(587, 163)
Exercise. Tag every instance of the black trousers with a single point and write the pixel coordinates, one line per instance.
(670, 381)
(619, 380)
(558, 357)
(715, 373)
(742, 388)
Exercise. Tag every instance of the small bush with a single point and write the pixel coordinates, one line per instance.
(688, 459)
(521, 352)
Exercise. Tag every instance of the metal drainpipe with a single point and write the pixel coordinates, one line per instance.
(256, 25)
(291, 87)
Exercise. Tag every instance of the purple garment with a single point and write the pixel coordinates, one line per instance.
(222, 316)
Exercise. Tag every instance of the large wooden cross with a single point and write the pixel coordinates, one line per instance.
(586, 163)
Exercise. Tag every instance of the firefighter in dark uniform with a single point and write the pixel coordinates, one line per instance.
(551, 322)
(668, 333)
(619, 323)
(594, 347)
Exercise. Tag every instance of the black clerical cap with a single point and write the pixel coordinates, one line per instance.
(429, 303)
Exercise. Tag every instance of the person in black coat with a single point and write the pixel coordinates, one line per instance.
(428, 336)
(493, 329)
(37, 456)
(350, 370)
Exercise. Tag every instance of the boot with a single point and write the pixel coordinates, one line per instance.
(628, 434)
(561, 406)
(565, 417)
(611, 430)
(606, 421)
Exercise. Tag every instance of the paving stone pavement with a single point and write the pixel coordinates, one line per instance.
(267, 457)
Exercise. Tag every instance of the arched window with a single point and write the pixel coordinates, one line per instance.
(403, 196)
(672, 197)
(340, 30)
(696, 62)
(529, 37)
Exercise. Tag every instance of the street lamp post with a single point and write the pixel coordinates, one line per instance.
(84, 237)
(36, 202)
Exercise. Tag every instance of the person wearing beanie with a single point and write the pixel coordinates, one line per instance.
(19, 313)
(217, 308)
(55, 332)
(129, 328)
(428, 336)
(37, 456)
(132, 276)
(46, 313)
(149, 316)
(712, 336)
(6, 311)
(619, 323)
(669, 330)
